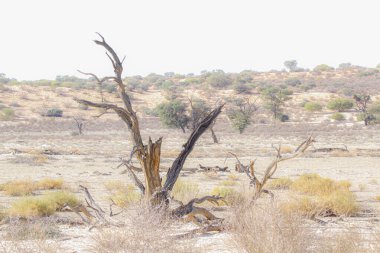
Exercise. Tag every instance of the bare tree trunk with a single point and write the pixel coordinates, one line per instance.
(147, 155)
(213, 135)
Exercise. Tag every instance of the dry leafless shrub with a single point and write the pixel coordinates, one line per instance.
(146, 231)
(30, 236)
(264, 229)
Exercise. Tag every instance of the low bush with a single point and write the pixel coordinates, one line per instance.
(340, 104)
(54, 113)
(6, 114)
(312, 107)
(338, 116)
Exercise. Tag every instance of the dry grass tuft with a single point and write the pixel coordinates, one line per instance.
(123, 195)
(265, 229)
(286, 149)
(27, 187)
(362, 187)
(231, 195)
(29, 207)
(279, 183)
(377, 198)
(50, 183)
(19, 187)
(314, 184)
(258, 229)
(40, 206)
(185, 190)
(326, 197)
(62, 198)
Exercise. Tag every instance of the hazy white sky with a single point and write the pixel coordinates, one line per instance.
(44, 38)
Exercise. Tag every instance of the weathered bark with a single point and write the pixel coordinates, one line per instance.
(178, 163)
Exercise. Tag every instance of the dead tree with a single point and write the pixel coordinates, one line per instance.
(148, 154)
(362, 102)
(271, 168)
(80, 125)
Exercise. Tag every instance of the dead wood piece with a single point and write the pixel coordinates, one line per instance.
(183, 210)
(213, 168)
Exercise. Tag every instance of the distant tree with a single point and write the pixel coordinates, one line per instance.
(173, 114)
(323, 68)
(218, 79)
(362, 102)
(345, 65)
(292, 81)
(198, 111)
(274, 101)
(240, 115)
(291, 65)
(340, 104)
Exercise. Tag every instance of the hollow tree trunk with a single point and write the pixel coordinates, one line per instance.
(150, 163)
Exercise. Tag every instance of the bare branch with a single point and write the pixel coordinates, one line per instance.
(178, 163)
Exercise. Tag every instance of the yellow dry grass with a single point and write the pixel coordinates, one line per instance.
(50, 183)
(313, 184)
(324, 197)
(279, 183)
(122, 195)
(46, 205)
(19, 187)
(27, 187)
(185, 190)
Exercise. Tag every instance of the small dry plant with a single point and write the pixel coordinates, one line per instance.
(264, 229)
(30, 236)
(147, 230)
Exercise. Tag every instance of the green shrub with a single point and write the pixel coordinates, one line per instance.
(323, 68)
(292, 81)
(54, 113)
(239, 119)
(242, 88)
(7, 114)
(313, 107)
(338, 116)
(340, 104)
(173, 114)
(218, 79)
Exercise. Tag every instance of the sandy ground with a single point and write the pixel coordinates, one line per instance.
(92, 159)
